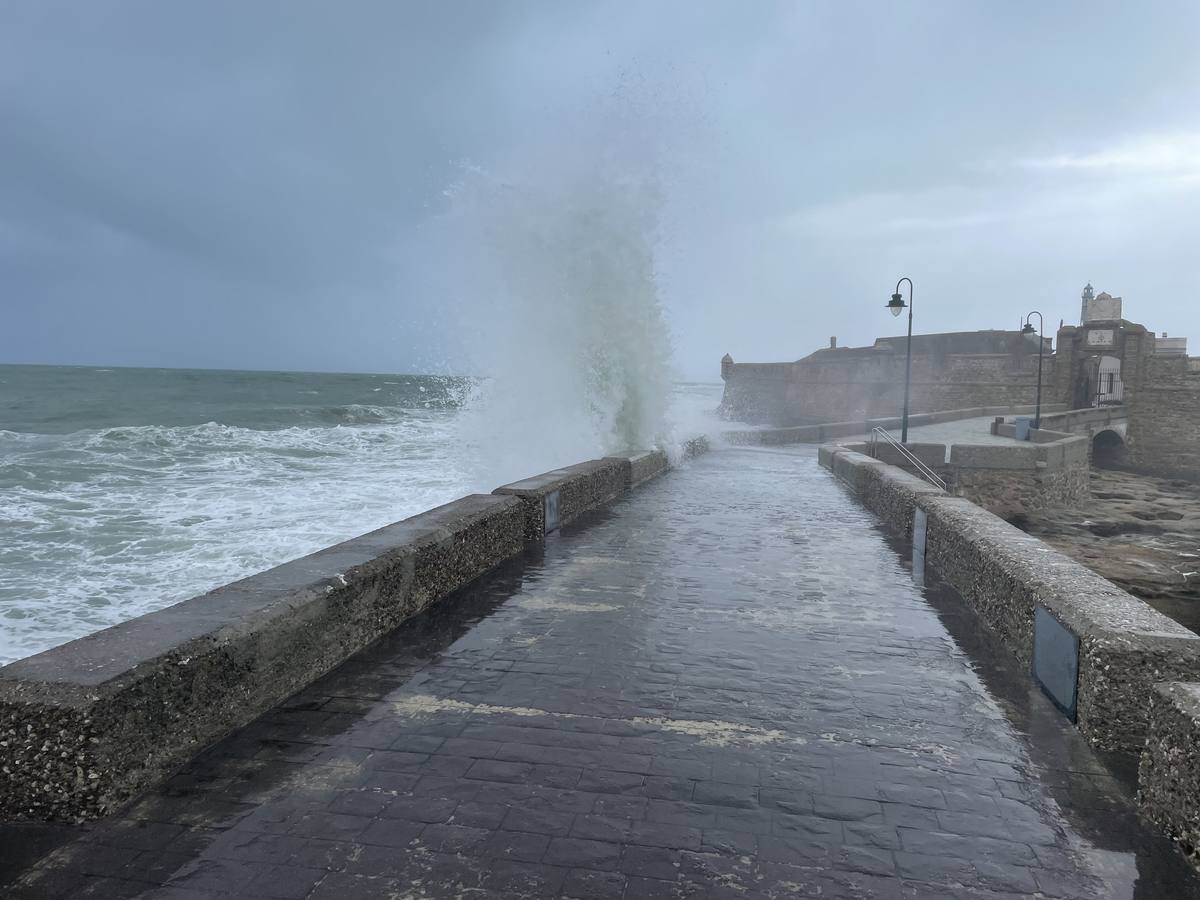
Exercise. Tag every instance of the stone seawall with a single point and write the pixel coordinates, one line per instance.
(1101, 649)
(88, 725)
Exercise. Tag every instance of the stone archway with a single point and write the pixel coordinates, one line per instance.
(1108, 449)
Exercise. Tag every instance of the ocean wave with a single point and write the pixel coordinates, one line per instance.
(100, 526)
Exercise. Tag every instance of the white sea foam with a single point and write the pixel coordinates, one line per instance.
(113, 523)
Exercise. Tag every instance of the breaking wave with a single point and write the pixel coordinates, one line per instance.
(552, 260)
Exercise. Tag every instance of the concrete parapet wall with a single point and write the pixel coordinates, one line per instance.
(1009, 479)
(571, 491)
(1169, 774)
(88, 725)
(893, 495)
(1005, 479)
(644, 466)
(1124, 646)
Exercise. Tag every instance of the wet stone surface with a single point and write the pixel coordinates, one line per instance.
(725, 686)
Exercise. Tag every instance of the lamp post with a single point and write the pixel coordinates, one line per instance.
(1028, 329)
(897, 306)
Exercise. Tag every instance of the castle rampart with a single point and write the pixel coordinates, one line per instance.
(949, 371)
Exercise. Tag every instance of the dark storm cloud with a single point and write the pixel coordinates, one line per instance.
(243, 184)
(239, 167)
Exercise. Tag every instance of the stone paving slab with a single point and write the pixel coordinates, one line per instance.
(728, 685)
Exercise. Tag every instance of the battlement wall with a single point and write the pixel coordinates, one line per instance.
(840, 384)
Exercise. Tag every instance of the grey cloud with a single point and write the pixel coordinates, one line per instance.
(245, 184)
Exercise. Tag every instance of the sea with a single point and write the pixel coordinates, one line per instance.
(126, 490)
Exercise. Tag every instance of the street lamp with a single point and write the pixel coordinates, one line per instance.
(897, 306)
(1028, 329)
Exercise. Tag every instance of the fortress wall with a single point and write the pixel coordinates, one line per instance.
(86, 726)
(1164, 418)
(757, 392)
(1096, 649)
(865, 383)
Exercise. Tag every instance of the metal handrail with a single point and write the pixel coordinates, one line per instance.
(923, 470)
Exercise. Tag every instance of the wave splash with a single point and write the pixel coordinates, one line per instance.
(557, 295)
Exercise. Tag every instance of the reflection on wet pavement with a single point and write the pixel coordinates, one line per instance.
(725, 686)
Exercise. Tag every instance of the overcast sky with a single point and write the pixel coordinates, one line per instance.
(248, 184)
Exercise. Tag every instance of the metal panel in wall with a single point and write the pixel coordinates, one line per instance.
(920, 526)
(551, 511)
(1055, 660)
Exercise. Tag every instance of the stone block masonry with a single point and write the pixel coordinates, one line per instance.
(1125, 647)
(1009, 480)
(1164, 419)
(949, 371)
(87, 725)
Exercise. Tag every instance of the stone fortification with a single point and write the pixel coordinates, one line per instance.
(1164, 418)
(1103, 362)
(949, 371)
(89, 724)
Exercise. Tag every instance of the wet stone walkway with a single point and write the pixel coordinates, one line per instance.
(727, 685)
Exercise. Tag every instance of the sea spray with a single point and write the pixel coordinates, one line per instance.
(552, 264)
